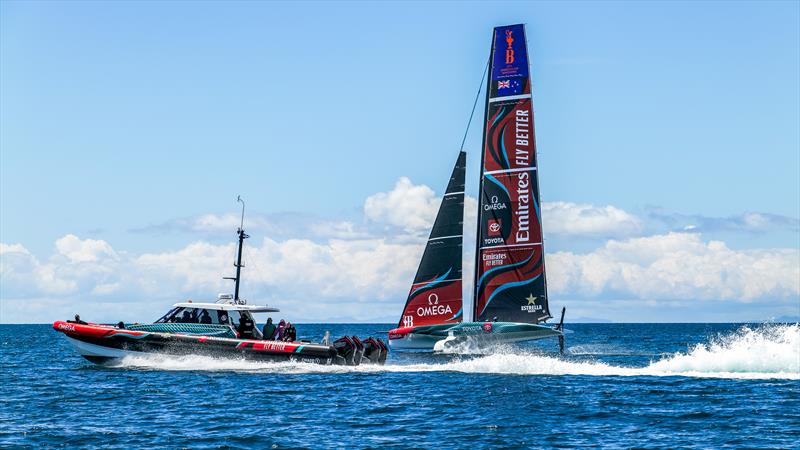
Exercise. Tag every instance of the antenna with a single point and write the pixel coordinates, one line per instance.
(239, 199)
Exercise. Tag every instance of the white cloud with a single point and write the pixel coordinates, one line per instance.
(407, 206)
(349, 271)
(584, 219)
(676, 266)
(302, 277)
(84, 250)
(21, 273)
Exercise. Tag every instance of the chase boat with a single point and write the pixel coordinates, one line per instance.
(209, 329)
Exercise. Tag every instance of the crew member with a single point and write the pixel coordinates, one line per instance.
(205, 317)
(290, 333)
(78, 320)
(269, 330)
(245, 328)
(279, 332)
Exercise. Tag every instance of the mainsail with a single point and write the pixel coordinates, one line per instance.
(509, 277)
(435, 296)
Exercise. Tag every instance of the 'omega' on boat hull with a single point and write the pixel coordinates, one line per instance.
(104, 343)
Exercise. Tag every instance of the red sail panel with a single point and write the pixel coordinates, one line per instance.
(431, 304)
(509, 136)
(510, 277)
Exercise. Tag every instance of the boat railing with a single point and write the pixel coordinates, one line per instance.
(187, 328)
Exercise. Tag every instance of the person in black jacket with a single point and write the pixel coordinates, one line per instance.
(205, 317)
(245, 328)
(290, 333)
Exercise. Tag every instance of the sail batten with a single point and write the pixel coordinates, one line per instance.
(435, 296)
(510, 282)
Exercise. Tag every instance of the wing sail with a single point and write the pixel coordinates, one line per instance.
(510, 280)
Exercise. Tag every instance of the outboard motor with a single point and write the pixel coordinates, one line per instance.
(372, 350)
(346, 349)
(384, 353)
(359, 350)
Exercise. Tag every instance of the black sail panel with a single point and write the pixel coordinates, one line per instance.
(510, 283)
(435, 296)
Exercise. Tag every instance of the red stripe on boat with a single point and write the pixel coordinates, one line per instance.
(92, 330)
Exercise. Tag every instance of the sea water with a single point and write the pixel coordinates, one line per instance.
(616, 386)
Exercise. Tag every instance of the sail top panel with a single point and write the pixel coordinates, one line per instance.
(509, 74)
(435, 296)
(510, 280)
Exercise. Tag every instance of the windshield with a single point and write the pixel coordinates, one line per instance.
(199, 315)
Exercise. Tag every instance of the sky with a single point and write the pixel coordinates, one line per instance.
(668, 137)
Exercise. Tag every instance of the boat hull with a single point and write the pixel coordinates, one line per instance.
(101, 343)
(478, 334)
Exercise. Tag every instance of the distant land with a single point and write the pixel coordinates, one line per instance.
(587, 320)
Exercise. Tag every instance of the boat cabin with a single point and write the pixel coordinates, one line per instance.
(224, 312)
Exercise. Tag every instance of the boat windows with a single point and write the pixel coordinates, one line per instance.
(167, 316)
(189, 315)
(222, 317)
(205, 317)
(235, 316)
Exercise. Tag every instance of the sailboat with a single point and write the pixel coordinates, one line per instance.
(509, 301)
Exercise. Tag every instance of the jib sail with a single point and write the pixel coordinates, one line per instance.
(435, 296)
(509, 278)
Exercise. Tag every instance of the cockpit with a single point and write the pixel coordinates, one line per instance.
(237, 316)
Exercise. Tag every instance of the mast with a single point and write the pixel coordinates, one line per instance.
(238, 264)
(509, 266)
(480, 183)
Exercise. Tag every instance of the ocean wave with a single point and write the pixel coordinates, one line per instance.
(765, 352)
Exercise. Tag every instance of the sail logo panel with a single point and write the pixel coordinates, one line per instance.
(435, 296)
(510, 213)
(511, 284)
(509, 74)
(509, 136)
(510, 280)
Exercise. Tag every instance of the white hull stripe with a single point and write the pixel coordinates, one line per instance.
(510, 97)
(519, 169)
(445, 237)
(513, 245)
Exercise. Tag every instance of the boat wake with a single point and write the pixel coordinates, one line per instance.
(766, 352)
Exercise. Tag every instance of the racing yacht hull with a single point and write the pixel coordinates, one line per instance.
(473, 334)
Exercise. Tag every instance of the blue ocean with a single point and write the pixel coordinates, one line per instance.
(616, 386)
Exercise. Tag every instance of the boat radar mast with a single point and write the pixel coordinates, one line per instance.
(238, 264)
